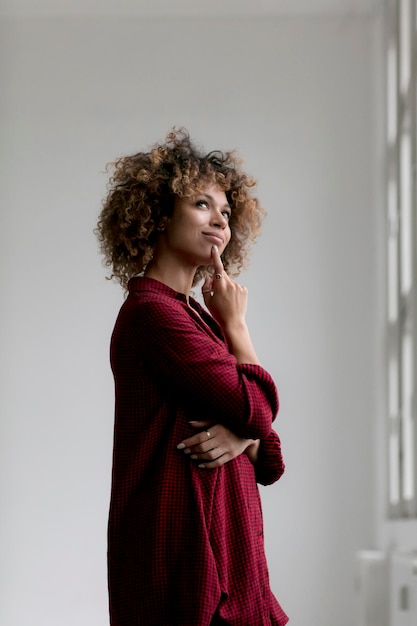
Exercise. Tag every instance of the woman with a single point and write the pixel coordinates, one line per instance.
(193, 405)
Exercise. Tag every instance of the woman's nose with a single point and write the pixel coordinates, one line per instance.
(218, 219)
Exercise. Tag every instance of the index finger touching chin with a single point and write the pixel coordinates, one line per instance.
(217, 262)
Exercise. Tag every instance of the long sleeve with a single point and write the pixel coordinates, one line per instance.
(270, 464)
(196, 364)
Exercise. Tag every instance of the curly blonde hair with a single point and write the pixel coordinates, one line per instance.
(141, 195)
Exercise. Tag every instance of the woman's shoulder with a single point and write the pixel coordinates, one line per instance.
(152, 301)
(151, 292)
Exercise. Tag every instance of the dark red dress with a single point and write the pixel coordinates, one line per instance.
(184, 542)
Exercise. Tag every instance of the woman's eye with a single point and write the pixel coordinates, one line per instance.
(226, 214)
(202, 203)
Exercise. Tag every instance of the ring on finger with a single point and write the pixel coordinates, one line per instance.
(218, 276)
(208, 434)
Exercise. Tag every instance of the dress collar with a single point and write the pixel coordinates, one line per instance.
(143, 283)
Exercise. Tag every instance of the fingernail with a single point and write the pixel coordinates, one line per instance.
(193, 456)
(215, 248)
(202, 466)
(180, 446)
(187, 451)
(192, 422)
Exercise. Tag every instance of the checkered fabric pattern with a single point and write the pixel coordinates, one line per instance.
(186, 543)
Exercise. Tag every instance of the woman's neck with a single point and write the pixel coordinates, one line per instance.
(181, 280)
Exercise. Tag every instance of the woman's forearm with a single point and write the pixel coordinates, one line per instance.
(240, 343)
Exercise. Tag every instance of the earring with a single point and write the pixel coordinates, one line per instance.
(162, 224)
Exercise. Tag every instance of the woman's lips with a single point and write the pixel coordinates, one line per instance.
(215, 238)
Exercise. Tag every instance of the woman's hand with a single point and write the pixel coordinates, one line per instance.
(217, 445)
(227, 302)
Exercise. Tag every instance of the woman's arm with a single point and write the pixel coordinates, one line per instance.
(192, 358)
(217, 445)
(223, 445)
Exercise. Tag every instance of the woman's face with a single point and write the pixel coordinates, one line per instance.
(197, 223)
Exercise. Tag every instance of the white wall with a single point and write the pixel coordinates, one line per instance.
(296, 97)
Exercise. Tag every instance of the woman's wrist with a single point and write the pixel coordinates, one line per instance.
(239, 342)
(252, 451)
